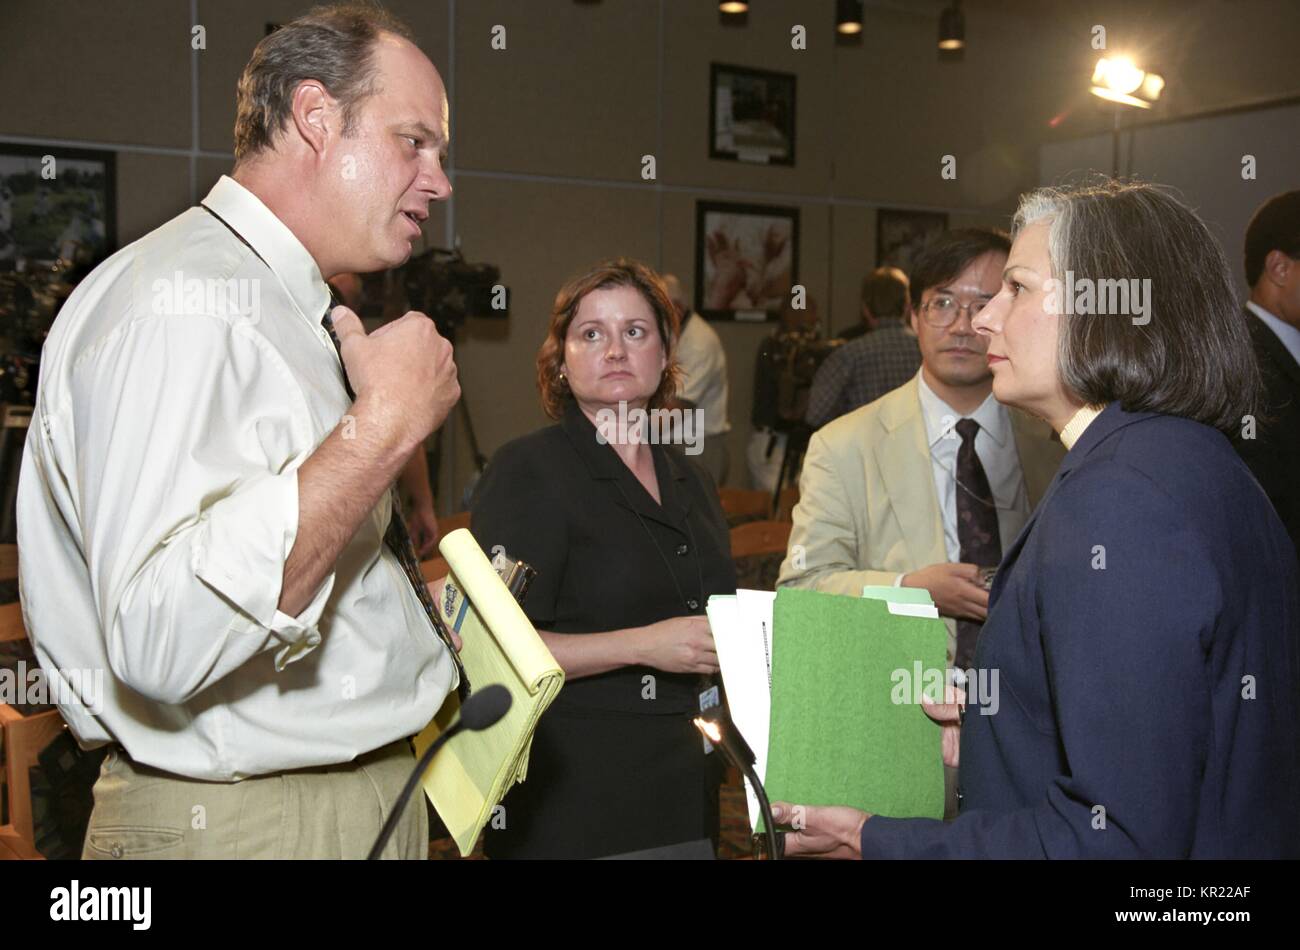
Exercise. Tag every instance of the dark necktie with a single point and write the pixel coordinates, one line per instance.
(399, 541)
(977, 529)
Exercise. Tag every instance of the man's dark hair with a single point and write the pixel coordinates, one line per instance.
(948, 253)
(1275, 227)
(333, 44)
(884, 293)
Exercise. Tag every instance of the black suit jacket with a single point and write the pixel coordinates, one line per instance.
(1274, 454)
(607, 556)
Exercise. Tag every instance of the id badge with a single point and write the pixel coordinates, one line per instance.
(708, 700)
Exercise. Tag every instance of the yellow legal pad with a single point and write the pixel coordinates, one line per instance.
(473, 772)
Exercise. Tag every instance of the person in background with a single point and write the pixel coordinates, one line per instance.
(864, 369)
(1273, 315)
(702, 363)
(884, 294)
(629, 542)
(1145, 624)
(416, 490)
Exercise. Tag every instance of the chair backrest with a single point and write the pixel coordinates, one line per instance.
(451, 523)
(760, 537)
(744, 503)
(753, 504)
(11, 623)
(758, 548)
(8, 562)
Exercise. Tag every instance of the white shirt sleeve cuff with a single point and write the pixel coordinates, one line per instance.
(241, 554)
(898, 581)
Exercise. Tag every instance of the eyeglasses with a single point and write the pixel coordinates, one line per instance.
(942, 310)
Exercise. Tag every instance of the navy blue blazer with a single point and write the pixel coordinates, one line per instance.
(1145, 629)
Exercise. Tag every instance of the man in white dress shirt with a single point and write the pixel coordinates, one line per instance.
(703, 365)
(203, 505)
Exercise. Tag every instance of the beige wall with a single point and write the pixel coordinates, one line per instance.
(549, 134)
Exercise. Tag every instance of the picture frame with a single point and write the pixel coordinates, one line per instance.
(56, 203)
(751, 115)
(900, 234)
(746, 260)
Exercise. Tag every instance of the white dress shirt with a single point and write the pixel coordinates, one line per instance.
(995, 444)
(703, 364)
(181, 387)
(1289, 335)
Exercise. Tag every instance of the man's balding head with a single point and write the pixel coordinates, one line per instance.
(334, 45)
(342, 131)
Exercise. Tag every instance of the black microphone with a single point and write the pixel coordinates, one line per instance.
(716, 725)
(482, 709)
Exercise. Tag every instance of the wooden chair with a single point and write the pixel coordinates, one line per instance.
(11, 623)
(453, 522)
(744, 504)
(24, 739)
(8, 562)
(758, 549)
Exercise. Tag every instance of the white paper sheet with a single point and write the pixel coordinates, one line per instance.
(742, 631)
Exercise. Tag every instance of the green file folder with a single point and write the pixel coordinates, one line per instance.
(847, 726)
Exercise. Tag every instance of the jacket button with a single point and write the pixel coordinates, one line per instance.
(115, 851)
(683, 550)
(692, 604)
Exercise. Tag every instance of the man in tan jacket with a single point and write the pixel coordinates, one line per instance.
(929, 483)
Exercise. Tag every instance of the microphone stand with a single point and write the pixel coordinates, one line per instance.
(400, 806)
(716, 726)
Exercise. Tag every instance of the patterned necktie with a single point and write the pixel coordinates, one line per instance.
(977, 529)
(399, 540)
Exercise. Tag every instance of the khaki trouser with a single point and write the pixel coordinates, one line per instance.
(333, 811)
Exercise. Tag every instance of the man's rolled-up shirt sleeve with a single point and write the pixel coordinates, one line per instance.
(189, 431)
(1124, 646)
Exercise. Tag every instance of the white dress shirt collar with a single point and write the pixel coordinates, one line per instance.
(272, 240)
(1289, 335)
(996, 448)
(941, 417)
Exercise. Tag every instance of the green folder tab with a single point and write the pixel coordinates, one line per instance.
(898, 595)
(847, 724)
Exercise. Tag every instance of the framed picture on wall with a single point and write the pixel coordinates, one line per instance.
(746, 259)
(56, 203)
(900, 234)
(751, 115)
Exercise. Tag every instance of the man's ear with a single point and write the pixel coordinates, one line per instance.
(1276, 267)
(311, 111)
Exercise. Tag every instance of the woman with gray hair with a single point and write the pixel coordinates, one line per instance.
(1145, 625)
